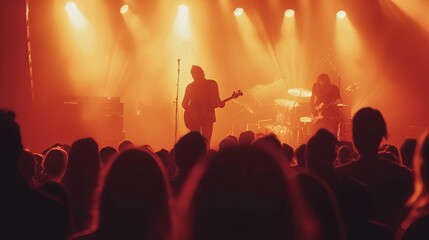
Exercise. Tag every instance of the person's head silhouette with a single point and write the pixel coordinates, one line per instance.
(323, 80)
(10, 139)
(197, 72)
(321, 151)
(369, 128)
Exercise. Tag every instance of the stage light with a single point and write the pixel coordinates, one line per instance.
(341, 14)
(238, 12)
(183, 10)
(75, 16)
(69, 6)
(289, 13)
(183, 29)
(124, 8)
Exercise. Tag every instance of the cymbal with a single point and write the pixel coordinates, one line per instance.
(299, 92)
(353, 87)
(305, 119)
(342, 105)
(286, 103)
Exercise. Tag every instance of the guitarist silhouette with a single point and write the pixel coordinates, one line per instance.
(200, 101)
(324, 100)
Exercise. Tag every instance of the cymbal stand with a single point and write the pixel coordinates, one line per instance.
(234, 117)
(294, 132)
(353, 88)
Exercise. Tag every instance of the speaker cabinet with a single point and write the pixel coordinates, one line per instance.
(98, 117)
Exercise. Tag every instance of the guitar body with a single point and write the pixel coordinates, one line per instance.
(193, 120)
(317, 117)
(319, 112)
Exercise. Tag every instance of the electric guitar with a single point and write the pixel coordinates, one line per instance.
(191, 118)
(319, 111)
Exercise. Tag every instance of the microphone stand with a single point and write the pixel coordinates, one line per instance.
(176, 101)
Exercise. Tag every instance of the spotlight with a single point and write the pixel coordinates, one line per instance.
(124, 8)
(70, 6)
(183, 10)
(289, 13)
(341, 14)
(75, 15)
(182, 26)
(238, 12)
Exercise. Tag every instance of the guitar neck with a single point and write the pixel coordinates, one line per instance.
(234, 95)
(227, 99)
(327, 105)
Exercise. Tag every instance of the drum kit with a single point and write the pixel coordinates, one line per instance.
(295, 117)
(293, 120)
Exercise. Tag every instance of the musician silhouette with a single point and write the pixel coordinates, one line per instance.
(200, 101)
(324, 100)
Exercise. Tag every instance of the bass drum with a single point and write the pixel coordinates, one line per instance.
(304, 130)
(303, 110)
(283, 132)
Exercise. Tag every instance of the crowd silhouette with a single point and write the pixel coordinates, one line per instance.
(250, 187)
